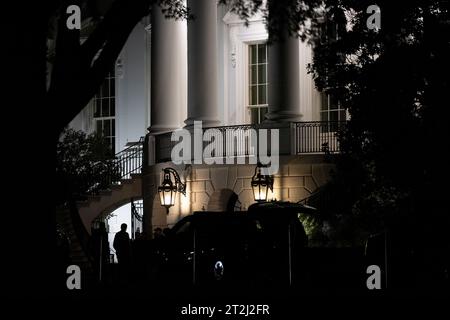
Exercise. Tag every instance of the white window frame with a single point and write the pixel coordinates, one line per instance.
(257, 106)
(236, 60)
(112, 76)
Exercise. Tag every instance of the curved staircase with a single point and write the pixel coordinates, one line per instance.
(109, 200)
(102, 198)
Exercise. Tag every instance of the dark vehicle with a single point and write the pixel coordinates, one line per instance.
(258, 248)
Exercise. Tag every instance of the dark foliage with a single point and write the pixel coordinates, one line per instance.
(86, 161)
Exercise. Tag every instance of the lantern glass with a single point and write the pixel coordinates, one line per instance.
(261, 185)
(167, 192)
(260, 192)
(167, 195)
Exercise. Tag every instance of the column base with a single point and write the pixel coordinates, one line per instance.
(162, 128)
(206, 122)
(282, 116)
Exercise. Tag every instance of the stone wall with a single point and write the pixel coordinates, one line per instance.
(297, 178)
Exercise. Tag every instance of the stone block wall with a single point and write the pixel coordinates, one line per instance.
(297, 178)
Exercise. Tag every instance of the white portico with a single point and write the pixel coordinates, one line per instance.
(217, 70)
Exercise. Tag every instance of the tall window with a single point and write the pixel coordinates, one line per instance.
(331, 111)
(105, 110)
(258, 102)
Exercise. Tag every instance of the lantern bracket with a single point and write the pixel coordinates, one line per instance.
(181, 187)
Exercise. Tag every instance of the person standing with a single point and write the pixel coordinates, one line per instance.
(122, 246)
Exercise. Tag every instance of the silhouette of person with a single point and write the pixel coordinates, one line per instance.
(122, 246)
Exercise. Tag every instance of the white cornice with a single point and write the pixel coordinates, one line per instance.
(232, 18)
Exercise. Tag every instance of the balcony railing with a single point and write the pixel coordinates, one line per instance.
(242, 140)
(111, 172)
(317, 136)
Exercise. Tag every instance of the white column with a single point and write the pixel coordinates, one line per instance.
(168, 72)
(284, 80)
(202, 63)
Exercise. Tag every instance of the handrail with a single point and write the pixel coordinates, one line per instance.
(124, 163)
(308, 137)
(317, 136)
(322, 199)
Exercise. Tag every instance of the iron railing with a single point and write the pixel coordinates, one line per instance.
(235, 141)
(242, 140)
(137, 212)
(111, 171)
(129, 160)
(224, 141)
(317, 136)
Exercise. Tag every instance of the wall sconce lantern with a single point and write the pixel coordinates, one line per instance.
(168, 189)
(261, 184)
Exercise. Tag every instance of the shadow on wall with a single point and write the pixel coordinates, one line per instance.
(223, 200)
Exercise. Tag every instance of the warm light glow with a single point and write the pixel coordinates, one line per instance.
(260, 192)
(168, 200)
(168, 190)
(261, 184)
(270, 195)
(185, 204)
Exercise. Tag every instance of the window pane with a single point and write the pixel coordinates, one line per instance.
(106, 141)
(105, 107)
(112, 86)
(97, 107)
(324, 98)
(253, 77)
(253, 54)
(262, 73)
(98, 126)
(254, 115)
(107, 128)
(113, 127)
(105, 89)
(333, 103)
(324, 116)
(334, 116)
(262, 53)
(342, 115)
(112, 107)
(262, 94)
(253, 95)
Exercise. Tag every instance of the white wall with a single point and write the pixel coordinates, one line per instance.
(236, 39)
(132, 88)
(83, 120)
(234, 72)
(132, 92)
(133, 79)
